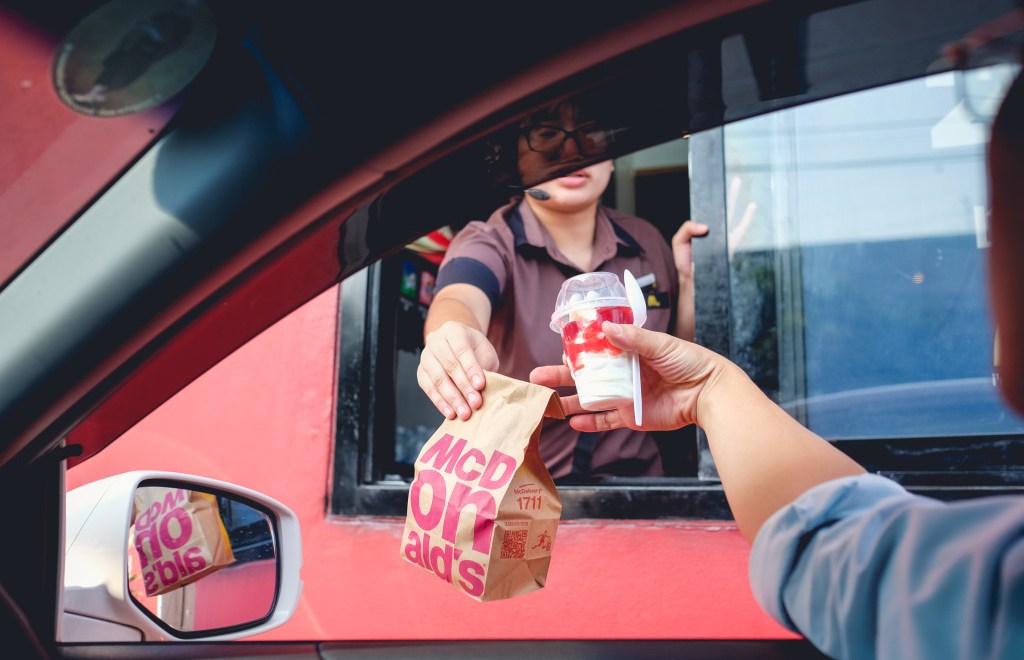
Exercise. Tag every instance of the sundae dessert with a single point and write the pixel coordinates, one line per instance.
(603, 373)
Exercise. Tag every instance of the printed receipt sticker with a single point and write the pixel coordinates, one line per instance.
(129, 56)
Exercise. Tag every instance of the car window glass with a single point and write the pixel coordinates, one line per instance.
(858, 241)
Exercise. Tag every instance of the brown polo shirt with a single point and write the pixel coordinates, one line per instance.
(514, 261)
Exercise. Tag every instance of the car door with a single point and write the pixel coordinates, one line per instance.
(261, 195)
(143, 240)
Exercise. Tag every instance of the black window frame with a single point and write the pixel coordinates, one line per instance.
(364, 395)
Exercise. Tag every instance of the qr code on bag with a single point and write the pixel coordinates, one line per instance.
(513, 544)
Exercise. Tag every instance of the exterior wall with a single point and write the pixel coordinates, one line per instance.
(263, 419)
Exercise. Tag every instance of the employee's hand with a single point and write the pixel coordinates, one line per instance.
(682, 251)
(674, 374)
(452, 365)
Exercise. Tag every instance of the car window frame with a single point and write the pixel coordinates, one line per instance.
(943, 467)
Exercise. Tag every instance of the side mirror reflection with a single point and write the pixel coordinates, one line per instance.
(200, 561)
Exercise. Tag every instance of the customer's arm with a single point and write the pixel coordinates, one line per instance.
(764, 457)
(854, 562)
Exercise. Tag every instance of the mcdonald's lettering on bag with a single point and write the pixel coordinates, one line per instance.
(163, 533)
(173, 547)
(464, 510)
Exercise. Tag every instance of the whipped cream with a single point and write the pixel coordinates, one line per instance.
(604, 380)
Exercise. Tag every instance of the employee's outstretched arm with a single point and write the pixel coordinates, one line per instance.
(456, 350)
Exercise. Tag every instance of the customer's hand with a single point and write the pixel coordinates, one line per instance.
(674, 374)
(765, 458)
(451, 370)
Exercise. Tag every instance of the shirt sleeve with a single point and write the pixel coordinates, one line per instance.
(864, 569)
(476, 256)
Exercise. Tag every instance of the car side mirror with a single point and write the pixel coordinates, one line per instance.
(162, 557)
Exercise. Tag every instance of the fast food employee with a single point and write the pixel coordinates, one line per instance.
(497, 284)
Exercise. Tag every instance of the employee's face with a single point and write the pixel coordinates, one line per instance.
(577, 190)
(559, 140)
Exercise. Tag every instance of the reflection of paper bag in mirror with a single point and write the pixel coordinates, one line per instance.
(483, 510)
(179, 537)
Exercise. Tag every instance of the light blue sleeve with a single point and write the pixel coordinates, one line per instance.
(864, 569)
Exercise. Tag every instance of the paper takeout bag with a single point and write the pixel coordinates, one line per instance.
(483, 509)
(179, 537)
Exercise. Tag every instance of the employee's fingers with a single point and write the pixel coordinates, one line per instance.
(688, 230)
(454, 361)
(682, 251)
(454, 390)
(486, 359)
(455, 384)
(442, 376)
(427, 383)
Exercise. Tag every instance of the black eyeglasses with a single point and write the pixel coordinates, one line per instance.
(591, 139)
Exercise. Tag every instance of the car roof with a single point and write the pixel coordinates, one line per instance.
(150, 245)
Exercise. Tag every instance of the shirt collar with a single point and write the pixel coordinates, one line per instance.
(531, 237)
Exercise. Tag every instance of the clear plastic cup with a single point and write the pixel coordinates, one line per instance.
(603, 373)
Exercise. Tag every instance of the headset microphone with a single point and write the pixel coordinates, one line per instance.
(538, 194)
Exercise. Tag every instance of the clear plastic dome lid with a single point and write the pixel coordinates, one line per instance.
(587, 291)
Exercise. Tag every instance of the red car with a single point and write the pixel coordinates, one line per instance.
(221, 222)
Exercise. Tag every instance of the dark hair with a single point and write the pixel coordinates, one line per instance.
(501, 159)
